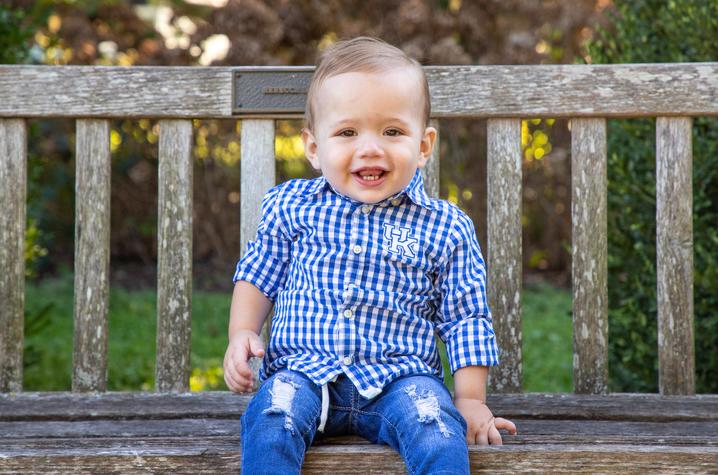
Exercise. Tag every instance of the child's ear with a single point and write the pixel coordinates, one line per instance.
(427, 145)
(310, 148)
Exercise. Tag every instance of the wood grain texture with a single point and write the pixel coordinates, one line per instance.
(102, 91)
(589, 253)
(674, 253)
(625, 90)
(504, 248)
(258, 172)
(66, 406)
(620, 90)
(221, 455)
(13, 191)
(530, 431)
(92, 255)
(430, 172)
(174, 249)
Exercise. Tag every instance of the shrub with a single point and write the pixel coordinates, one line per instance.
(657, 31)
(14, 36)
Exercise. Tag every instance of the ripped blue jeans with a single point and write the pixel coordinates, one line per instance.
(414, 415)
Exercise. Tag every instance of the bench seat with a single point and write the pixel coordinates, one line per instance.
(199, 433)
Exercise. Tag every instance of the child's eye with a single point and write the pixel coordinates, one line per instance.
(346, 133)
(393, 132)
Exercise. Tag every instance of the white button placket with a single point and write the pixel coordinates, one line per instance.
(357, 251)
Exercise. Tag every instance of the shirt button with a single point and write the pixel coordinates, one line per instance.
(383, 204)
(348, 313)
(357, 249)
(347, 360)
(366, 209)
(396, 202)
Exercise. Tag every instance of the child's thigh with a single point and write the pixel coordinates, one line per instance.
(418, 409)
(287, 400)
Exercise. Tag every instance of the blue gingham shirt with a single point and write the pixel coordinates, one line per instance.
(362, 289)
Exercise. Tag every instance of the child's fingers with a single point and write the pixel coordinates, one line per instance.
(483, 439)
(494, 436)
(502, 423)
(231, 377)
(238, 383)
(231, 380)
(471, 436)
(240, 361)
(256, 347)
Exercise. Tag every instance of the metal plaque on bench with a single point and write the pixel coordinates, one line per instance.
(270, 90)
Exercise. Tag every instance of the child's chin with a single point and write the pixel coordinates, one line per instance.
(371, 198)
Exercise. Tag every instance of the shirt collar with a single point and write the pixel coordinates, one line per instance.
(414, 190)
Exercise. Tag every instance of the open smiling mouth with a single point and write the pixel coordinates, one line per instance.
(370, 177)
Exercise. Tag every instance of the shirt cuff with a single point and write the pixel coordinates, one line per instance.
(262, 271)
(472, 343)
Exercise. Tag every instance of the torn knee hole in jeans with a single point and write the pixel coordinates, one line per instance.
(283, 391)
(427, 405)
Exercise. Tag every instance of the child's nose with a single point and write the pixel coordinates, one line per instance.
(369, 148)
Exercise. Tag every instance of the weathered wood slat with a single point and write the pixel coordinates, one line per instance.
(217, 438)
(674, 254)
(430, 172)
(625, 90)
(65, 406)
(258, 171)
(589, 253)
(100, 91)
(219, 455)
(27, 406)
(531, 431)
(504, 248)
(109, 428)
(174, 249)
(120, 445)
(617, 90)
(92, 254)
(13, 179)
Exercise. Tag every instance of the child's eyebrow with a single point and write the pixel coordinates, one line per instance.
(343, 122)
(399, 121)
(396, 120)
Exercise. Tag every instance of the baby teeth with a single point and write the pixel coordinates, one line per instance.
(370, 177)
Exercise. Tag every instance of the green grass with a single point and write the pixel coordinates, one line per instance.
(132, 328)
(547, 340)
(132, 332)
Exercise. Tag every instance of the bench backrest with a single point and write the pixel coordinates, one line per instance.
(673, 93)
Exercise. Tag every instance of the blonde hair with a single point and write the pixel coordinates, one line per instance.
(361, 54)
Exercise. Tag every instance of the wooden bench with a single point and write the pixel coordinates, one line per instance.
(90, 430)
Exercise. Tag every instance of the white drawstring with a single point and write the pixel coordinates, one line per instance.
(325, 407)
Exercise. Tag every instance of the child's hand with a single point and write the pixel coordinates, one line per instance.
(483, 427)
(237, 373)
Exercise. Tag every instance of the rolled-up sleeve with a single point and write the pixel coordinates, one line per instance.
(264, 263)
(464, 320)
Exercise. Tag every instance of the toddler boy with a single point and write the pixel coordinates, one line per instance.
(363, 269)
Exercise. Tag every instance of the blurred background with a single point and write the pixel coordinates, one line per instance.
(284, 32)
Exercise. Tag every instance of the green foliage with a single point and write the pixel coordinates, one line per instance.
(14, 37)
(33, 250)
(657, 31)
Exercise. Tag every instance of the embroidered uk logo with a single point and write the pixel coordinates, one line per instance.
(397, 240)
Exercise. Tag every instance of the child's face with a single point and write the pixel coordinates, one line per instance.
(368, 137)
